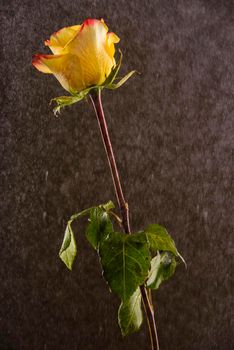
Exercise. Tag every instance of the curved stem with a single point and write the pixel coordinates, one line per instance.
(95, 97)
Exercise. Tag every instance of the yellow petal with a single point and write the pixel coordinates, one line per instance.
(94, 50)
(37, 63)
(66, 68)
(112, 39)
(103, 22)
(61, 38)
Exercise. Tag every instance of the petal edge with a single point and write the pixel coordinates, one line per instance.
(39, 65)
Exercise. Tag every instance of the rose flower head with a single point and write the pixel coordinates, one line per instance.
(82, 59)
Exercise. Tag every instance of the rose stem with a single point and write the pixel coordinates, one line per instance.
(95, 97)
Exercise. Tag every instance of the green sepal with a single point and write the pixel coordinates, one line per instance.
(163, 266)
(63, 101)
(110, 80)
(68, 250)
(125, 261)
(130, 315)
(114, 86)
(99, 227)
(115, 70)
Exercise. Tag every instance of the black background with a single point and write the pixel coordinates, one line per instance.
(172, 129)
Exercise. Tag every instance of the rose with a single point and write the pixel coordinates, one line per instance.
(83, 55)
(82, 61)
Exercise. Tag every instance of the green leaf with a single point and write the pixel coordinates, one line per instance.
(68, 250)
(107, 206)
(82, 213)
(99, 226)
(159, 239)
(130, 314)
(162, 268)
(125, 260)
(114, 86)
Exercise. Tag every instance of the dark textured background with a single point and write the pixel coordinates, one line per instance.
(173, 130)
